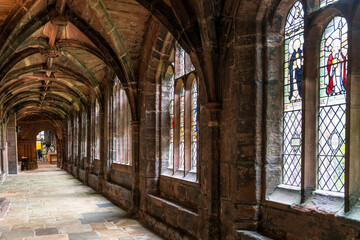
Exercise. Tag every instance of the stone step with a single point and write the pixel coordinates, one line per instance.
(251, 235)
(4, 207)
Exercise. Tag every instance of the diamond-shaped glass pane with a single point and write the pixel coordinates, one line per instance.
(331, 171)
(292, 148)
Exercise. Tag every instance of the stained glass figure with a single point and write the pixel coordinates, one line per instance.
(293, 69)
(194, 129)
(182, 129)
(171, 112)
(332, 111)
(324, 3)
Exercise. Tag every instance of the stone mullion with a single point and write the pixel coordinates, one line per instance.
(309, 119)
(106, 140)
(352, 163)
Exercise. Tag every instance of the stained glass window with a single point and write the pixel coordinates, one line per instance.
(324, 3)
(182, 129)
(332, 111)
(293, 75)
(171, 113)
(179, 115)
(194, 133)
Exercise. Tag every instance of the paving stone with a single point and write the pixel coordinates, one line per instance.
(105, 205)
(46, 231)
(17, 234)
(92, 220)
(78, 228)
(84, 236)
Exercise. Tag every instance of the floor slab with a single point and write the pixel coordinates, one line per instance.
(49, 203)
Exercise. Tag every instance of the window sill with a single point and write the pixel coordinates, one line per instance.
(285, 195)
(121, 167)
(190, 178)
(322, 203)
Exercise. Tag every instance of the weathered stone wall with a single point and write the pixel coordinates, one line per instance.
(122, 178)
(118, 195)
(12, 145)
(93, 181)
(82, 175)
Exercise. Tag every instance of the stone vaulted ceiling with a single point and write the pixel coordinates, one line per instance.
(56, 55)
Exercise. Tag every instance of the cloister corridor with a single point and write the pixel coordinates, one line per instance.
(48, 203)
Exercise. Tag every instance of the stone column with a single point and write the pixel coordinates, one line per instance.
(135, 163)
(209, 171)
(12, 145)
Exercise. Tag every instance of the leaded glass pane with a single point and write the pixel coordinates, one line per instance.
(182, 129)
(194, 128)
(332, 112)
(179, 61)
(293, 75)
(324, 3)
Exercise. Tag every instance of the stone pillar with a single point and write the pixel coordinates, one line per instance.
(135, 164)
(209, 172)
(12, 145)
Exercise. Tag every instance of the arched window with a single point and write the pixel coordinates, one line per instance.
(83, 136)
(121, 127)
(194, 126)
(332, 107)
(182, 129)
(179, 115)
(76, 139)
(293, 76)
(324, 3)
(97, 130)
(69, 140)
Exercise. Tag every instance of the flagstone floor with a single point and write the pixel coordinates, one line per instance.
(49, 203)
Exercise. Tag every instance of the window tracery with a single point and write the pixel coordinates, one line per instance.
(121, 126)
(180, 94)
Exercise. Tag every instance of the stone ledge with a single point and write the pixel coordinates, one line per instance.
(251, 235)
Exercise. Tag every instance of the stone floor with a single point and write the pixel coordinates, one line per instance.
(48, 203)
